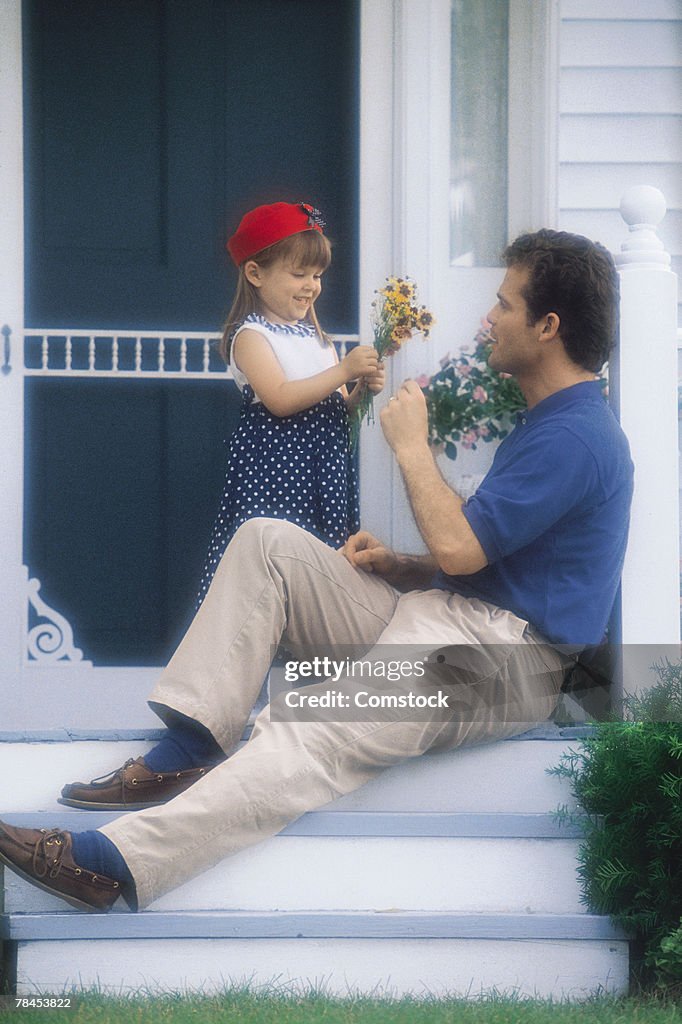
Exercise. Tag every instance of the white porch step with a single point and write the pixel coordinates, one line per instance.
(506, 776)
(459, 863)
(429, 955)
(444, 875)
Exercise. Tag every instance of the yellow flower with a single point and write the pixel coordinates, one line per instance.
(398, 290)
(399, 334)
(425, 321)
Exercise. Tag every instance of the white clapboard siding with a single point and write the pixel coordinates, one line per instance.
(645, 43)
(593, 186)
(625, 10)
(620, 114)
(604, 226)
(619, 138)
(620, 90)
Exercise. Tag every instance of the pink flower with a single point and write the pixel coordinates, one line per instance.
(464, 371)
(480, 394)
(423, 380)
(469, 439)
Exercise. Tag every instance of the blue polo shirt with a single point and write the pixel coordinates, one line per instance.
(552, 517)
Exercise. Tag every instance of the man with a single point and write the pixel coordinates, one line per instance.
(516, 578)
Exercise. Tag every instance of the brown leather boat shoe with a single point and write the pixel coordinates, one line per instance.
(43, 857)
(130, 788)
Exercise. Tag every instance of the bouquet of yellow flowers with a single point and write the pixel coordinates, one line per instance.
(396, 317)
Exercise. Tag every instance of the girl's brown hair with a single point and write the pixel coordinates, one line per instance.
(305, 249)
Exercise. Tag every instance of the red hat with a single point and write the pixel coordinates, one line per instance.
(269, 224)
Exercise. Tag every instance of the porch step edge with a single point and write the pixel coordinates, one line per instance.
(548, 731)
(82, 735)
(18, 927)
(443, 824)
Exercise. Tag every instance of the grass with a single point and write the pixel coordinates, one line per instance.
(236, 1007)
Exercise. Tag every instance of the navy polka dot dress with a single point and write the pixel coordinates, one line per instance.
(297, 468)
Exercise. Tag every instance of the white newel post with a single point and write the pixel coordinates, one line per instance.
(644, 390)
(12, 573)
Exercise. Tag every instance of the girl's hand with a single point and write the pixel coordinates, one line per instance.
(375, 381)
(361, 361)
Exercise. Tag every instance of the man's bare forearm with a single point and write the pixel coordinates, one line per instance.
(437, 508)
(438, 513)
(411, 572)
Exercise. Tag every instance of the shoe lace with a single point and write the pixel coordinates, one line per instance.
(49, 861)
(112, 775)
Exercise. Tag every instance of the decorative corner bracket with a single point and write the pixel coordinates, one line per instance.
(49, 640)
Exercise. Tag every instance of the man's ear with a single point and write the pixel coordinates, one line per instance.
(550, 326)
(252, 273)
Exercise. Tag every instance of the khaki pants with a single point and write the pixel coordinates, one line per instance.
(278, 583)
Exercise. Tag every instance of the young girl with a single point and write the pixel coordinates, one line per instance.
(289, 457)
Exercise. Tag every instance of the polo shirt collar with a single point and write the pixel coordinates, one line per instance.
(585, 390)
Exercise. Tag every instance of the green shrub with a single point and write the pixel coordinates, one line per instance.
(667, 961)
(627, 778)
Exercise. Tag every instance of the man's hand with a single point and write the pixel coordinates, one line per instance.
(404, 572)
(367, 553)
(404, 420)
(452, 543)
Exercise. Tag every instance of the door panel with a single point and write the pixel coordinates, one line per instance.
(122, 486)
(151, 126)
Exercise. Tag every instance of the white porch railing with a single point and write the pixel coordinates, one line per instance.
(644, 378)
(186, 355)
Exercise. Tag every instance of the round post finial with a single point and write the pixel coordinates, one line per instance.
(643, 207)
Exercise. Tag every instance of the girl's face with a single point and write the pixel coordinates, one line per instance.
(286, 292)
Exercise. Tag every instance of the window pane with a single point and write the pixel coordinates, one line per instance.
(478, 146)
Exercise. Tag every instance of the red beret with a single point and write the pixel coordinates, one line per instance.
(269, 224)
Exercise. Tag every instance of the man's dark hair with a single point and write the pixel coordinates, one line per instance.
(576, 279)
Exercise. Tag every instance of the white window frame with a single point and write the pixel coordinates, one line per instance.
(533, 143)
(404, 183)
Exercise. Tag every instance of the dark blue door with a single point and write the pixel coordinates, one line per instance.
(151, 126)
